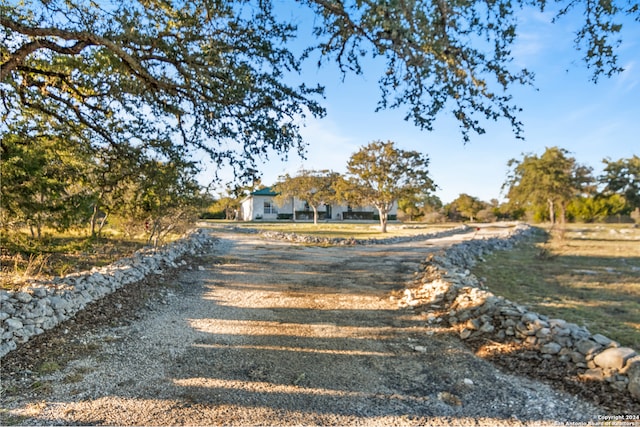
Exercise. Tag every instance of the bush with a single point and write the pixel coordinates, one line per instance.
(434, 217)
(389, 217)
(212, 215)
(358, 215)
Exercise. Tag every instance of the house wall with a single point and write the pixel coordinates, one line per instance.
(246, 209)
(253, 208)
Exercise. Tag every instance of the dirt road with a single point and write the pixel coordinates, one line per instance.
(270, 333)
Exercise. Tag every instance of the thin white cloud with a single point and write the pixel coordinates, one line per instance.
(628, 78)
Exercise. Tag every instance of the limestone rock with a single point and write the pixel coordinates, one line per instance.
(595, 374)
(614, 358)
(465, 333)
(587, 347)
(601, 339)
(13, 324)
(487, 328)
(24, 297)
(633, 374)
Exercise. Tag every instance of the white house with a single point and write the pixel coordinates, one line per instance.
(260, 205)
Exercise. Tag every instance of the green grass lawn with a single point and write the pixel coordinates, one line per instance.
(589, 274)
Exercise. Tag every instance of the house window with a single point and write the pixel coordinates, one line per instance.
(270, 208)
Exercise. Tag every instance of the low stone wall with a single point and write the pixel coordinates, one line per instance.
(339, 241)
(44, 304)
(446, 284)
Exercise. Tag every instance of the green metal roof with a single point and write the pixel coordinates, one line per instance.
(266, 191)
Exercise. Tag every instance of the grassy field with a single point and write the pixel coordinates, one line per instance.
(589, 274)
(58, 254)
(360, 230)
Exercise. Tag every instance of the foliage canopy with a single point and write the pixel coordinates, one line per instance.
(622, 177)
(316, 188)
(380, 174)
(552, 179)
(214, 74)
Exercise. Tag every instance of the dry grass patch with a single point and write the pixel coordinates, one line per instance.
(586, 274)
(57, 254)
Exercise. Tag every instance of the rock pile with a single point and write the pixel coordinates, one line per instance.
(446, 285)
(339, 241)
(42, 305)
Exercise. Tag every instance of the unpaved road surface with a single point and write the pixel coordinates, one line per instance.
(271, 333)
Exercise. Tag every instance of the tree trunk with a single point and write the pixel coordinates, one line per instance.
(384, 214)
(103, 223)
(562, 214)
(552, 214)
(293, 209)
(94, 219)
(315, 215)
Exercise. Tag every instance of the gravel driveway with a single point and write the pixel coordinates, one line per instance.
(270, 333)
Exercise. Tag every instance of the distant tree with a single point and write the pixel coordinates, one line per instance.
(490, 211)
(417, 205)
(110, 169)
(43, 181)
(596, 208)
(380, 174)
(623, 177)
(504, 210)
(552, 180)
(468, 206)
(410, 207)
(315, 187)
(228, 205)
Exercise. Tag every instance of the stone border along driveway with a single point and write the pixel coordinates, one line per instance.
(446, 285)
(44, 304)
(270, 333)
(339, 241)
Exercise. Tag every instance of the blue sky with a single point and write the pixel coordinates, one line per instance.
(564, 109)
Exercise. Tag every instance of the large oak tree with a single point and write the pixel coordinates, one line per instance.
(380, 174)
(215, 74)
(315, 187)
(201, 74)
(622, 177)
(552, 179)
